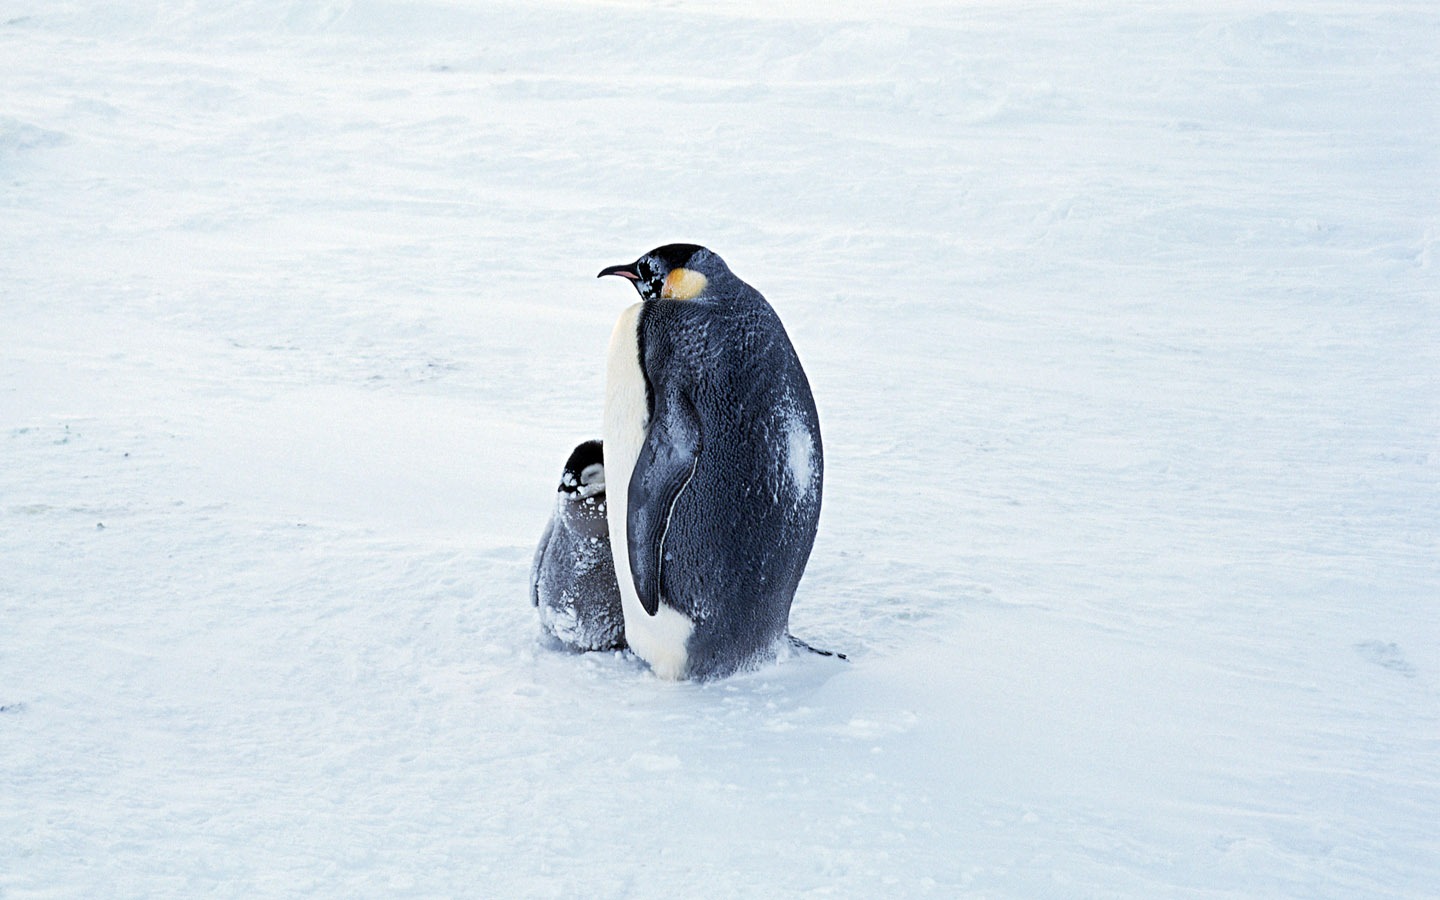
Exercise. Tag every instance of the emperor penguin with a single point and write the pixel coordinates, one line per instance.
(572, 579)
(714, 465)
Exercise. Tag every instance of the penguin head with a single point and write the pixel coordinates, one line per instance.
(671, 272)
(584, 474)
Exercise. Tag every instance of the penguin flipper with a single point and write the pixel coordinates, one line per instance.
(666, 464)
(538, 562)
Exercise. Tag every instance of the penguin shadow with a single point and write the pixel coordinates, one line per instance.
(573, 586)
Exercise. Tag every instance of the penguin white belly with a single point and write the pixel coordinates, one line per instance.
(660, 639)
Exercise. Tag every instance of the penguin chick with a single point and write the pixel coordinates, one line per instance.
(572, 579)
(713, 450)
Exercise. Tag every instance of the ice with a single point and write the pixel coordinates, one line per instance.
(1121, 321)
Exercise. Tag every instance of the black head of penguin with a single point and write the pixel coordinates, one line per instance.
(582, 487)
(672, 272)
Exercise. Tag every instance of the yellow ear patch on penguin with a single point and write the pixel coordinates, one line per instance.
(682, 284)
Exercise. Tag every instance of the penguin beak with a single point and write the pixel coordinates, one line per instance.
(625, 271)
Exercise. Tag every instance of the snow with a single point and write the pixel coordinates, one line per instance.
(799, 455)
(1122, 323)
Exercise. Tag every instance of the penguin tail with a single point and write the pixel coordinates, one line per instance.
(801, 645)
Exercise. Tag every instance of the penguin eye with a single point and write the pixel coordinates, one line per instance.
(653, 276)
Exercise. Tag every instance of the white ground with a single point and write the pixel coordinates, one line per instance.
(1124, 325)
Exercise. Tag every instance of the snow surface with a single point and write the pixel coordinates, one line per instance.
(1124, 326)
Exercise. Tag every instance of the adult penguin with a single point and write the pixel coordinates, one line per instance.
(714, 464)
